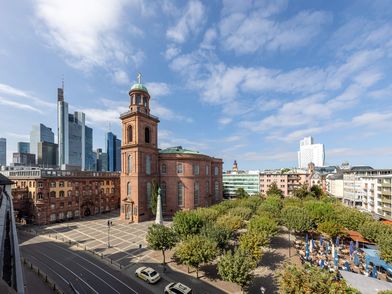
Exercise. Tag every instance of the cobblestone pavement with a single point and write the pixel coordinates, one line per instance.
(127, 240)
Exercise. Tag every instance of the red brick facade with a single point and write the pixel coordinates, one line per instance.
(142, 164)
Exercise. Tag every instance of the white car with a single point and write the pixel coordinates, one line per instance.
(147, 274)
(177, 288)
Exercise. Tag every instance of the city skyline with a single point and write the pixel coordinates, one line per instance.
(305, 69)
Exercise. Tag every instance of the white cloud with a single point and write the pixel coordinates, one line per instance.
(190, 22)
(167, 114)
(171, 52)
(121, 77)
(158, 89)
(11, 91)
(86, 31)
(225, 120)
(374, 119)
(19, 105)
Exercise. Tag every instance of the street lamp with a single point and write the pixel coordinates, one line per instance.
(109, 225)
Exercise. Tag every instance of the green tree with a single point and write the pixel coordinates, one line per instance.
(187, 223)
(296, 219)
(301, 192)
(236, 268)
(263, 224)
(196, 250)
(274, 190)
(161, 238)
(269, 210)
(154, 197)
(230, 222)
(309, 280)
(243, 212)
(319, 211)
(216, 233)
(385, 244)
(251, 243)
(350, 218)
(317, 191)
(331, 228)
(208, 214)
(241, 193)
(373, 230)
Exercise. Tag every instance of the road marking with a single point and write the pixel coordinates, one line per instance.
(48, 266)
(98, 277)
(67, 250)
(88, 285)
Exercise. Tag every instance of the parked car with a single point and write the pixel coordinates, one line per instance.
(147, 274)
(177, 288)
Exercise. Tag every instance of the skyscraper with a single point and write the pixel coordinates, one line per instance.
(3, 151)
(102, 160)
(76, 139)
(40, 133)
(62, 127)
(310, 152)
(47, 154)
(90, 157)
(113, 150)
(23, 147)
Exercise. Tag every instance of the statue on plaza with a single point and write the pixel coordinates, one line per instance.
(158, 218)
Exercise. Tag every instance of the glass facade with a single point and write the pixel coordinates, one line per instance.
(249, 182)
(113, 150)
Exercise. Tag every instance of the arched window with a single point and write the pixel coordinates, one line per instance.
(216, 190)
(53, 194)
(147, 135)
(149, 194)
(180, 194)
(216, 170)
(61, 193)
(196, 194)
(138, 99)
(163, 168)
(129, 190)
(129, 164)
(130, 138)
(40, 196)
(148, 164)
(163, 194)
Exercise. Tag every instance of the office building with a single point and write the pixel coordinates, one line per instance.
(43, 196)
(24, 159)
(3, 151)
(62, 128)
(248, 180)
(113, 150)
(187, 179)
(102, 160)
(40, 133)
(76, 139)
(47, 154)
(310, 152)
(90, 157)
(23, 147)
(377, 195)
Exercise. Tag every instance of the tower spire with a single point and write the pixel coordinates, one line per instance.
(139, 78)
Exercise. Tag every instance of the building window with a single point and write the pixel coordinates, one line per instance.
(53, 217)
(147, 135)
(40, 185)
(207, 169)
(61, 215)
(216, 190)
(216, 170)
(196, 169)
(61, 193)
(61, 184)
(129, 190)
(77, 193)
(163, 168)
(148, 164)
(130, 134)
(149, 194)
(163, 194)
(138, 99)
(69, 193)
(69, 214)
(53, 184)
(129, 164)
(196, 194)
(180, 194)
(208, 188)
(76, 213)
(53, 206)
(40, 196)
(53, 194)
(180, 168)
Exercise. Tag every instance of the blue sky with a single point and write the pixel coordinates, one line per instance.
(242, 80)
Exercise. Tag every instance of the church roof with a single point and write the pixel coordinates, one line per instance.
(178, 150)
(140, 87)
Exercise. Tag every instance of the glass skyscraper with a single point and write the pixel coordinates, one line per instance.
(40, 133)
(3, 151)
(23, 147)
(113, 150)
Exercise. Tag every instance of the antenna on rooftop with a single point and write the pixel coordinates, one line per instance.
(62, 82)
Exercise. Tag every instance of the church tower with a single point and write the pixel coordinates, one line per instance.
(139, 155)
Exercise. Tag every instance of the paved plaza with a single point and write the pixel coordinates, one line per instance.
(127, 240)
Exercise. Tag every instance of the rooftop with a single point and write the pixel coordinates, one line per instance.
(139, 86)
(178, 150)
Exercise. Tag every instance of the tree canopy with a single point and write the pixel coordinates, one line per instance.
(186, 223)
(161, 238)
(297, 219)
(241, 193)
(273, 190)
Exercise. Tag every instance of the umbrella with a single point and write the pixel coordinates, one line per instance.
(337, 241)
(346, 266)
(351, 247)
(306, 238)
(321, 240)
(333, 251)
(374, 272)
(356, 259)
(327, 247)
(336, 259)
(322, 264)
(307, 251)
(312, 247)
(356, 244)
(367, 268)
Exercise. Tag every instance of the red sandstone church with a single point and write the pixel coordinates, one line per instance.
(187, 178)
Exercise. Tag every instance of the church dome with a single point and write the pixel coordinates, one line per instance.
(140, 87)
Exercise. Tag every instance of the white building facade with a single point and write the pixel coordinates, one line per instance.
(310, 152)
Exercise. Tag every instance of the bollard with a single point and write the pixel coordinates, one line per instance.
(54, 287)
(119, 265)
(140, 246)
(101, 255)
(84, 248)
(46, 278)
(111, 261)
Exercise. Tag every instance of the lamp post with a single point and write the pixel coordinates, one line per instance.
(109, 225)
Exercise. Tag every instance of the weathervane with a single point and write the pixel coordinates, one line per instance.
(139, 78)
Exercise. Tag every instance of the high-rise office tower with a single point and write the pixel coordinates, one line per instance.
(113, 150)
(90, 157)
(47, 154)
(23, 147)
(3, 151)
(62, 128)
(76, 139)
(310, 152)
(40, 133)
(102, 160)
